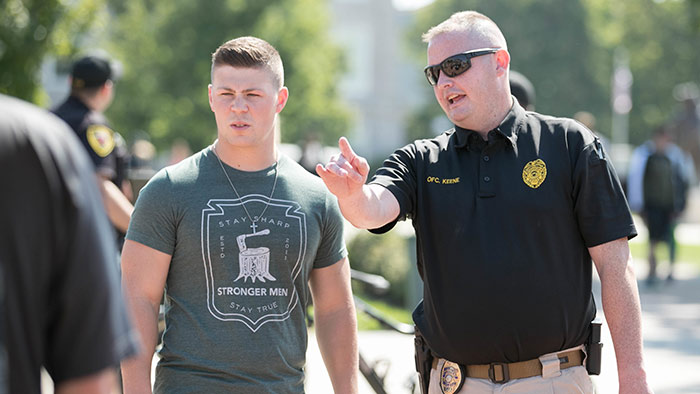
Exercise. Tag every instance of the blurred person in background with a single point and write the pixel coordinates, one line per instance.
(685, 125)
(659, 177)
(589, 120)
(91, 93)
(522, 89)
(60, 302)
(509, 208)
(241, 238)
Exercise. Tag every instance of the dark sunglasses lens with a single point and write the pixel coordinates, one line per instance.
(432, 73)
(455, 65)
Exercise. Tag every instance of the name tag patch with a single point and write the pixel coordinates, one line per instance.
(442, 181)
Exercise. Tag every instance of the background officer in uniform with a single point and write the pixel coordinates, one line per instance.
(509, 208)
(92, 90)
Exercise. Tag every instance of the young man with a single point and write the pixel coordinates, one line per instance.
(61, 307)
(509, 208)
(237, 234)
(659, 176)
(92, 90)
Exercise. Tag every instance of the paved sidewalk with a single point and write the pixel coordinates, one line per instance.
(671, 330)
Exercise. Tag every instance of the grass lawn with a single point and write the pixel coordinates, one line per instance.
(686, 253)
(364, 322)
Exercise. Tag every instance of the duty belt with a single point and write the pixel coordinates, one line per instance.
(504, 372)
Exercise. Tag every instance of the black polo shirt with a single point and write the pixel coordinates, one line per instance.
(503, 228)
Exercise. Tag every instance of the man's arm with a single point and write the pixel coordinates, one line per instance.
(116, 204)
(336, 324)
(622, 312)
(365, 206)
(144, 271)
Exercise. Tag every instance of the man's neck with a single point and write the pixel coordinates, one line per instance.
(246, 159)
(494, 119)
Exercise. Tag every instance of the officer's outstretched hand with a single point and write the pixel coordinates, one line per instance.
(344, 174)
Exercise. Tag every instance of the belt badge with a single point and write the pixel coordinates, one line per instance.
(451, 377)
(534, 173)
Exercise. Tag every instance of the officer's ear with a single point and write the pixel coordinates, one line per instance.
(502, 61)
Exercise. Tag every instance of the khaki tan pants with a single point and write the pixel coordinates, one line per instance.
(574, 380)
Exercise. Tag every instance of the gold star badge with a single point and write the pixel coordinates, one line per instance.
(534, 173)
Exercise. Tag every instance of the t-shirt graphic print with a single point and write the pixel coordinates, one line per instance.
(251, 268)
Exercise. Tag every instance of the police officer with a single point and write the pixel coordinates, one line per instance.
(92, 90)
(509, 209)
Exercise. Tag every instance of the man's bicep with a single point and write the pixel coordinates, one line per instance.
(610, 255)
(330, 286)
(144, 271)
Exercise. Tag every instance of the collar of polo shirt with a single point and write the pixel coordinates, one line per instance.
(508, 128)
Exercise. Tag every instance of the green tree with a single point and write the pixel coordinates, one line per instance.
(566, 50)
(166, 47)
(663, 51)
(31, 29)
(548, 44)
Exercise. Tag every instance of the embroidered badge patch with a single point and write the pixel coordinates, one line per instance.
(450, 377)
(534, 173)
(101, 139)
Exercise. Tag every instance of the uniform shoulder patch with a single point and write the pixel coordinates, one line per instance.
(101, 139)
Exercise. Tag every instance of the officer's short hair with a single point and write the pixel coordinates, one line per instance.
(485, 31)
(249, 52)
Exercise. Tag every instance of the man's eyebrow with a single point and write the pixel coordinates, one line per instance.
(243, 91)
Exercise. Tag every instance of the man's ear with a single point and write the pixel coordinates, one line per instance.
(282, 97)
(502, 61)
(211, 97)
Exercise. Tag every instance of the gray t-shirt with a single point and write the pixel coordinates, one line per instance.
(236, 292)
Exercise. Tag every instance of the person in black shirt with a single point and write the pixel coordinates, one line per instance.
(509, 209)
(92, 90)
(60, 301)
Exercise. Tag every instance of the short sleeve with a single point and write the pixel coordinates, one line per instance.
(599, 201)
(332, 247)
(398, 175)
(101, 141)
(153, 220)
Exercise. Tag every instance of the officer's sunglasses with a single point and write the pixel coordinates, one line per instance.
(455, 65)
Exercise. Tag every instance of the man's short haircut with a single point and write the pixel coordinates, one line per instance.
(250, 52)
(485, 31)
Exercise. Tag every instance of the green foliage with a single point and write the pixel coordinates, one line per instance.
(566, 50)
(30, 29)
(547, 44)
(166, 49)
(385, 255)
